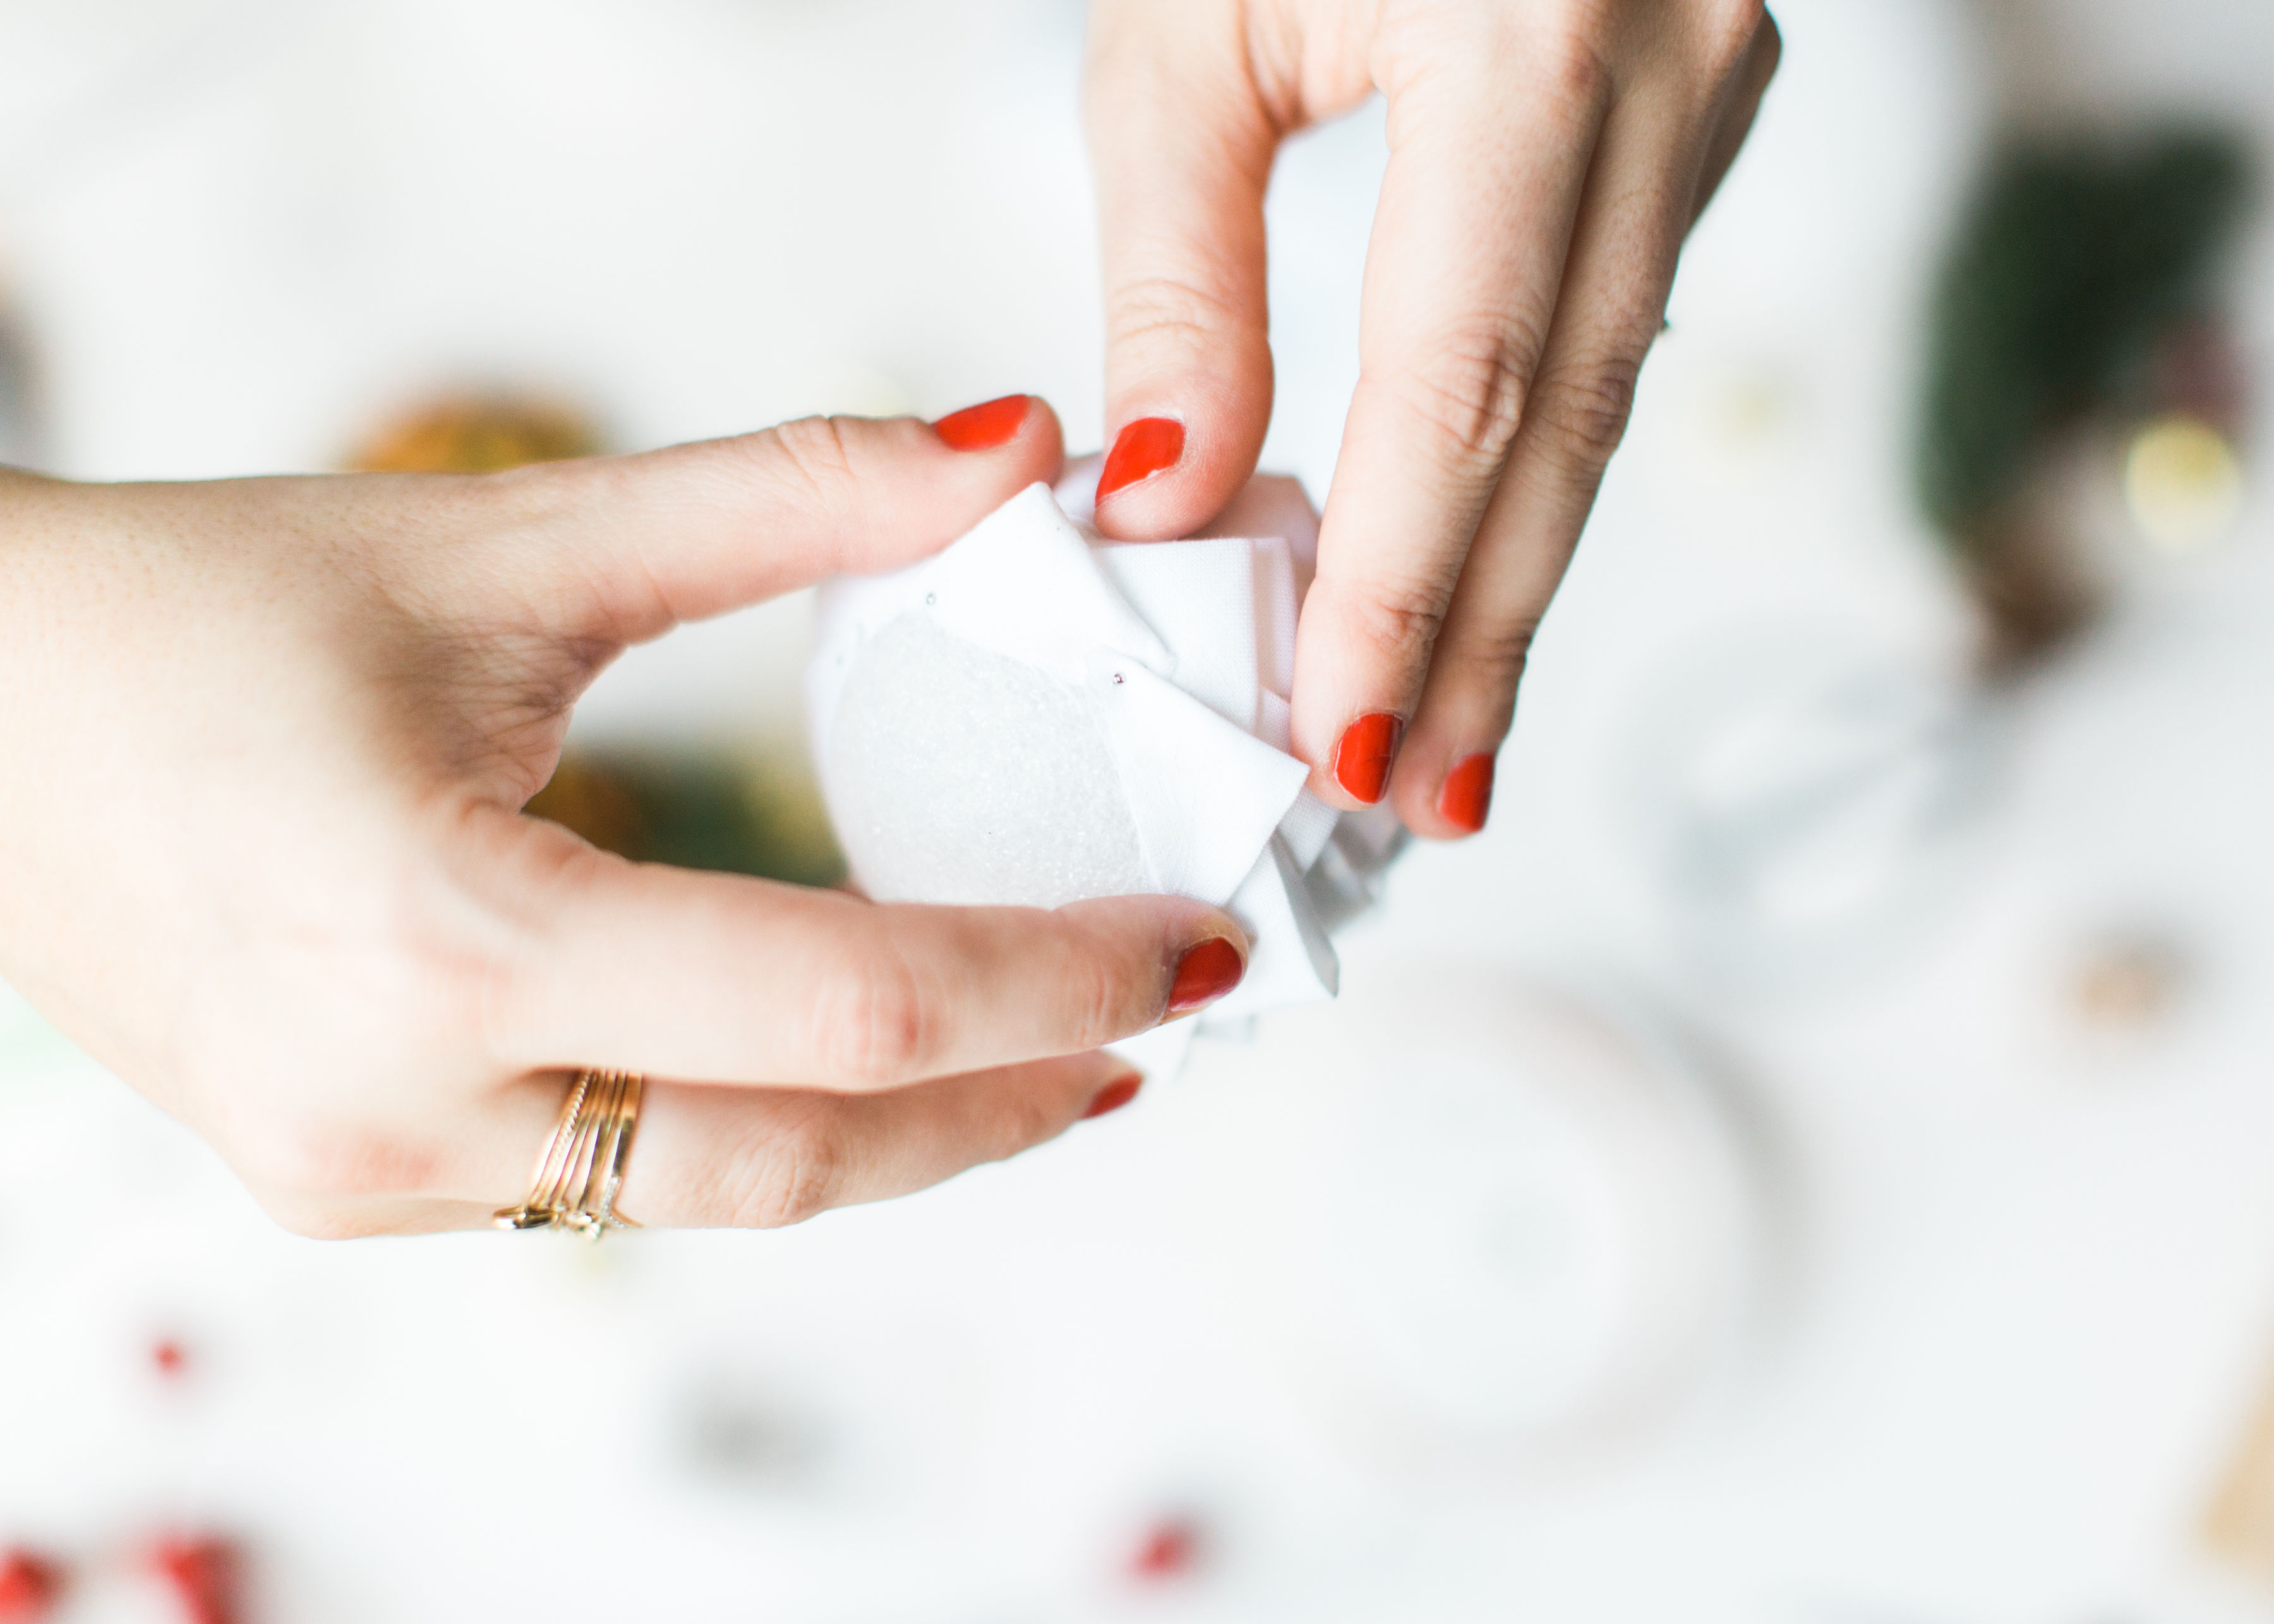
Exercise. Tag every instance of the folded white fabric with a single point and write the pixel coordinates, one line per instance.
(1034, 716)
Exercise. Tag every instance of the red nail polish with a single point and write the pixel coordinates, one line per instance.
(1114, 1095)
(29, 1587)
(1205, 974)
(1362, 758)
(1467, 794)
(1142, 450)
(984, 427)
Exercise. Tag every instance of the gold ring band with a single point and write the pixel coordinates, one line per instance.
(581, 1167)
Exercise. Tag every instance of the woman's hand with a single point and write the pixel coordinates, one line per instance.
(261, 850)
(1547, 158)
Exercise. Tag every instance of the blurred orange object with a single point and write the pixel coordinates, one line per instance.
(1170, 1550)
(203, 1576)
(29, 1587)
(478, 434)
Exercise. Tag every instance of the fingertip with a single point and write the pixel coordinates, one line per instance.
(1448, 799)
(1114, 1095)
(1464, 793)
(1208, 971)
(1021, 432)
(985, 427)
(1146, 448)
(1169, 469)
(1173, 922)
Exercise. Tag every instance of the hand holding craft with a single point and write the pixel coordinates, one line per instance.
(1546, 160)
(266, 861)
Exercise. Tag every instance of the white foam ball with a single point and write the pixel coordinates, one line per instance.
(960, 775)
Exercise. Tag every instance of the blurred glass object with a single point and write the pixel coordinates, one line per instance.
(1807, 802)
(735, 1429)
(1534, 1232)
(2182, 485)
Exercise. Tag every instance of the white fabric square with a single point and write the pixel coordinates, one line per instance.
(1034, 716)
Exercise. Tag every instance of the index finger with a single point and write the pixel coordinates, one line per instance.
(620, 549)
(1491, 142)
(1182, 146)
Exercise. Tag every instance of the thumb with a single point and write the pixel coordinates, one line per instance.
(1182, 146)
(622, 549)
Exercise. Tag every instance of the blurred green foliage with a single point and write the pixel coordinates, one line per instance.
(735, 811)
(2074, 257)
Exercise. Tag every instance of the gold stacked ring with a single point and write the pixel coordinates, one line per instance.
(583, 1166)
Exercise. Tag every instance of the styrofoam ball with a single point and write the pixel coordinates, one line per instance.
(960, 775)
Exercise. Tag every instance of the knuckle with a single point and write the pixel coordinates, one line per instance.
(1582, 412)
(1568, 63)
(1102, 1002)
(514, 987)
(874, 1028)
(815, 456)
(1492, 657)
(1732, 26)
(1016, 1122)
(790, 1174)
(1470, 391)
(1168, 312)
(1397, 622)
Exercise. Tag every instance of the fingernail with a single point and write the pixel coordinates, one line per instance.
(1363, 756)
(1467, 794)
(1205, 974)
(984, 427)
(1114, 1095)
(1140, 451)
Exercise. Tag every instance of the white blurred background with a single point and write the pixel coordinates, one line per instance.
(1812, 1161)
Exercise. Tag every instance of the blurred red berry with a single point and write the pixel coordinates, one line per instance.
(1169, 1550)
(203, 1575)
(28, 1586)
(168, 1357)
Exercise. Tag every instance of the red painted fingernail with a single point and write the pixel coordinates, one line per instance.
(1142, 450)
(1467, 794)
(984, 427)
(1114, 1095)
(30, 1586)
(1362, 758)
(1205, 974)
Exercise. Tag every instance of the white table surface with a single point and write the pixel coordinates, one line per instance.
(2017, 1297)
